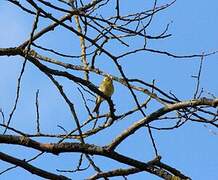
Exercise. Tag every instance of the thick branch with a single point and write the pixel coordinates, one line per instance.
(160, 112)
(57, 148)
(30, 168)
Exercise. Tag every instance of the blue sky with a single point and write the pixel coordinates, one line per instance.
(191, 148)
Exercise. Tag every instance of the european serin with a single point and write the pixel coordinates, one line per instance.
(107, 88)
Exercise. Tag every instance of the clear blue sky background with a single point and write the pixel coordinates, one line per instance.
(191, 148)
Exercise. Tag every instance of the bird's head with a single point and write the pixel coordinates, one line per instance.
(108, 78)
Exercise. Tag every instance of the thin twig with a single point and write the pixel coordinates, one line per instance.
(37, 113)
(198, 76)
(23, 69)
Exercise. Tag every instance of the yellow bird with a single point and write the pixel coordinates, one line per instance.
(107, 88)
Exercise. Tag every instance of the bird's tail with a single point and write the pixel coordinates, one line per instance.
(96, 109)
(98, 103)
